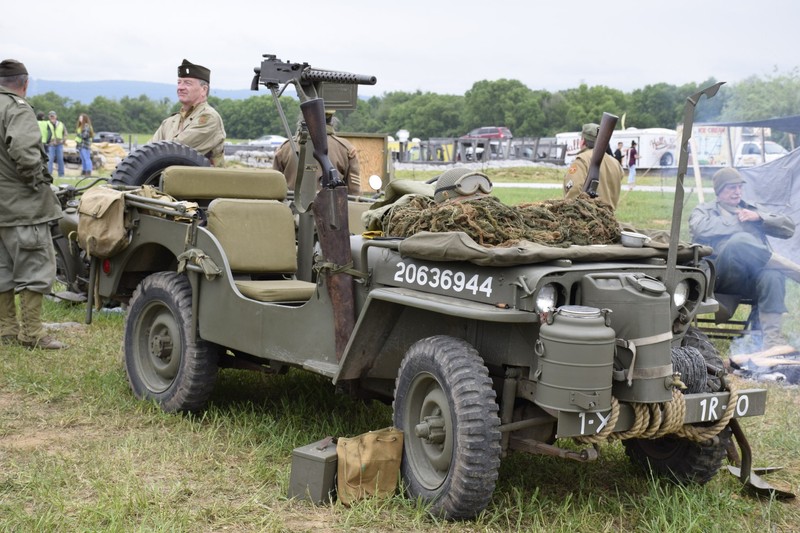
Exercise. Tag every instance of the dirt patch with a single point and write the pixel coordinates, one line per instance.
(18, 434)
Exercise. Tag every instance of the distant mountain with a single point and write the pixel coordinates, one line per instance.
(86, 91)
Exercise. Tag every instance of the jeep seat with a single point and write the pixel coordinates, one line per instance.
(259, 241)
(201, 184)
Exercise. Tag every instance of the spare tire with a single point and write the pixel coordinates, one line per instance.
(144, 166)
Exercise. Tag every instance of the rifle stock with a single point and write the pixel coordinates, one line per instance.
(314, 116)
(607, 125)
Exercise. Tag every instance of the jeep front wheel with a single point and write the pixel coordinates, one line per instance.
(446, 407)
(162, 361)
(680, 459)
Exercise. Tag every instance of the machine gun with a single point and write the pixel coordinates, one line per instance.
(274, 72)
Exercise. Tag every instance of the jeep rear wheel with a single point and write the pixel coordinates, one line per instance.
(162, 361)
(445, 405)
(145, 165)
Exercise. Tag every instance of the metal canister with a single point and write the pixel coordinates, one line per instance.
(641, 319)
(576, 357)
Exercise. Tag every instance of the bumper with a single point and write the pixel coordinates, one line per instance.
(700, 408)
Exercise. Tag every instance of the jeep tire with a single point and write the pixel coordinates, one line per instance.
(447, 409)
(145, 165)
(162, 361)
(679, 459)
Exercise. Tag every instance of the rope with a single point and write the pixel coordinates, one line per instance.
(655, 420)
(333, 269)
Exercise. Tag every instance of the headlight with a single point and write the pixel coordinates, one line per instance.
(681, 294)
(546, 298)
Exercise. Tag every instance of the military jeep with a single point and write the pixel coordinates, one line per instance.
(480, 353)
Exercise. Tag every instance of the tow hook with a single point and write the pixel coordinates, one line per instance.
(742, 466)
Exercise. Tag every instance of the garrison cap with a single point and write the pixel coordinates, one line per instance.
(12, 67)
(190, 70)
(590, 131)
(726, 176)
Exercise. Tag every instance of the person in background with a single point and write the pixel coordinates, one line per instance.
(745, 264)
(56, 135)
(633, 159)
(340, 151)
(84, 135)
(27, 207)
(42, 120)
(618, 153)
(610, 172)
(197, 124)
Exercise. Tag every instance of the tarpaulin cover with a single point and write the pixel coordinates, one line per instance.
(775, 187)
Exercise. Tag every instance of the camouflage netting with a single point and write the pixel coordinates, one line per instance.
(489, 222)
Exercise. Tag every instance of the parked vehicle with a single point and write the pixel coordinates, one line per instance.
(489, 132)
(108, 136)
(478, 359)
(749, 153)
(270, 142)
(657, 147)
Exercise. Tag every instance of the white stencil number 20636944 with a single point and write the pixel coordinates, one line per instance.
(443, 279)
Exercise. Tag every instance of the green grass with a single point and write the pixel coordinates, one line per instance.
(79, 453)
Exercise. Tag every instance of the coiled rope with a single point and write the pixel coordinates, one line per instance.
(655, 420)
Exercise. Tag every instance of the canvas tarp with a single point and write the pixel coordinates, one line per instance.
(458, 246)
(775, 187)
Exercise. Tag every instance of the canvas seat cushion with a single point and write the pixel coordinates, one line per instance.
(284, 290)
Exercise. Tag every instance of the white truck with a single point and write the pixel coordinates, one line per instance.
(657, 146)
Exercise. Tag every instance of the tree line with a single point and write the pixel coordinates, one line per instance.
(503, 102)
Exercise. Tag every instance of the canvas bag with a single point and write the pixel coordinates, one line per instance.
(102, 225)
(369, 464)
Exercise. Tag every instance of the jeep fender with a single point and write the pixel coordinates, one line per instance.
(371, 350)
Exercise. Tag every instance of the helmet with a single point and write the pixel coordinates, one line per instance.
(461, 182)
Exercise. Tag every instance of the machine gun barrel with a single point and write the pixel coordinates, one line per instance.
(333, 76)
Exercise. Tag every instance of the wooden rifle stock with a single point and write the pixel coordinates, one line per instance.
(314, 116)
(607, 125)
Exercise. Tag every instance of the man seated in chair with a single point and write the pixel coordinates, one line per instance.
(745, 264)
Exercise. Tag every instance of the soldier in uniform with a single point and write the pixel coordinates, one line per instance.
(340, 151)
(197, 124)
(744, 261)
(610, 170)
(27, 205)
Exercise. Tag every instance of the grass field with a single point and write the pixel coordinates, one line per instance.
(79, 453)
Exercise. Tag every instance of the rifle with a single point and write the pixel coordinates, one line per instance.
(329, 206)
(607, 125)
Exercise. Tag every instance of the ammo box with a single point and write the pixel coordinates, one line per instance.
(313, 471)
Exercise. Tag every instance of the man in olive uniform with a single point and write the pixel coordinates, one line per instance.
(27, 205)
(744, 261)
(197, 124)
(610, 170)
(340, 151)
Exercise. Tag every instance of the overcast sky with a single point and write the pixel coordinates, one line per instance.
(437, 46)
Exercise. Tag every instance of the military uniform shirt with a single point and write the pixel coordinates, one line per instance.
(200, 128)
(610, 177)
(341, 153)
(25, 194)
